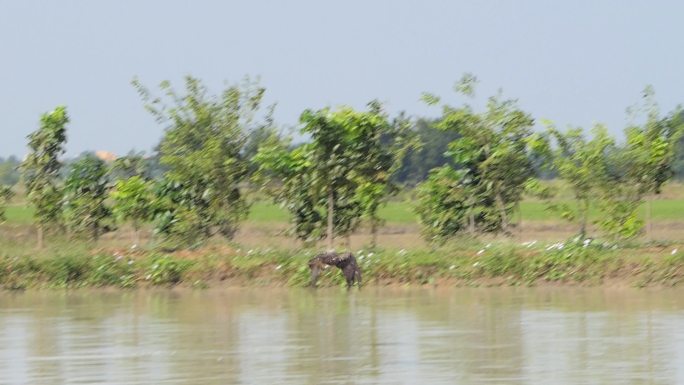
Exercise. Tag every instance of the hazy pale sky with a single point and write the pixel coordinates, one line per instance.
(574, 62)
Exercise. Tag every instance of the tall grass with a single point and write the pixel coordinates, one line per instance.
(460, 263)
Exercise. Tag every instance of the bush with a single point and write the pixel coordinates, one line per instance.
(166, 270)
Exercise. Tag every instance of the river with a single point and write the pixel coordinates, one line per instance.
(330, 336)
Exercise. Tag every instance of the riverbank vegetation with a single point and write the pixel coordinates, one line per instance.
(470, 263)
(475, 196)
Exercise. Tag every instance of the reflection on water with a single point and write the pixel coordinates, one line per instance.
(376, 336)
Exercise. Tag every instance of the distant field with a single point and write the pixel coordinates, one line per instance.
(19, 214)
(266, 212)
(668, 210)
(398, 213)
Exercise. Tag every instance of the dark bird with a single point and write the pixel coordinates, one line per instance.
(344, 261)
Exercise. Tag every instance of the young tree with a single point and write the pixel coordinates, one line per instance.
(646, 162)
(6, 195)
(382, 149)
(203, 150)
(130, 165)
(429, 153)
(133, 200)
(493, 162)
(340, 175)
(40, 170)
(584, 165)
(86, 191)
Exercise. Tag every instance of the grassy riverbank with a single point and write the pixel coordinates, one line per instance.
(470, 263)
(264, 254)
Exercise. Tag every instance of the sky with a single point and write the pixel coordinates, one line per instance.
(573, 62)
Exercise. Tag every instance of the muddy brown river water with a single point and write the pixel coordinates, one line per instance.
(328, 336)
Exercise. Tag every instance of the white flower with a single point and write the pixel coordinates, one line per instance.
(476, 264)
(529, 243)
(452, 267)
(279, 267)
(674, 251)
(480, 252)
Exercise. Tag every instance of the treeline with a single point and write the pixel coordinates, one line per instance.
(472, 168)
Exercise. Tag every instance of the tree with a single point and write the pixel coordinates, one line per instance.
(40, 170)
(442, 201)
(381, 149)
(493, 164)
(130, 165)
(584, 165)
(646, 162)
(340, 175)
(85, 193)
(133, 200)
(6, 195)
(428, 154)
(202, 149)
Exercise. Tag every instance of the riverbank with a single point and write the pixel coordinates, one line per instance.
(467, 263)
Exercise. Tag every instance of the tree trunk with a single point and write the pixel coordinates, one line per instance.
(471, 216)
(502, 213)
(39, 233)
(136, 234)
(649, 215)
(520, 220)
(584, 217)
(331, 209)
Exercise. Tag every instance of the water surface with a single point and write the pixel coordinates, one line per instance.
(376, 336)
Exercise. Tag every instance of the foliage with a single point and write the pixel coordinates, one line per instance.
(166, 270)
(65, 270)
(493, 165)
(203, 149)
(382, 149)
(641, 167)
(133, 164)
(429, 154)
(40, 169)
(86, 190)
(107, 270)
(133, 200)
(341, 175)
(583, 164)
(6, 195)
(441, 204)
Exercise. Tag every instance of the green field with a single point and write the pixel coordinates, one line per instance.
(399, 213)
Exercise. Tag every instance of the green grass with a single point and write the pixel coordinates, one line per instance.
(20, 215)
(398, 213)
(666, 210)
(393, 212)
(265, 212)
